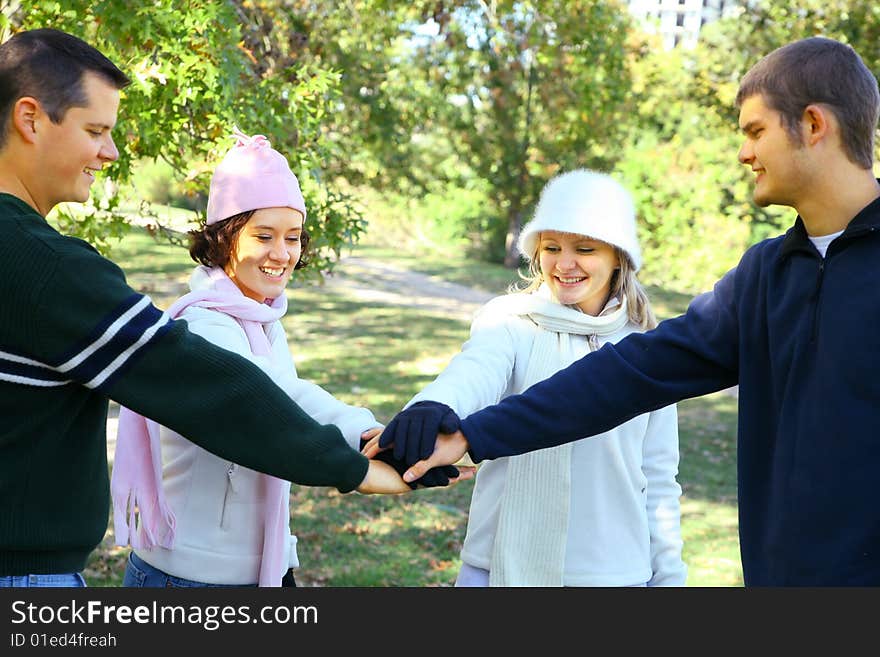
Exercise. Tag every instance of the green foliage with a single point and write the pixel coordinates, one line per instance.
(454, 220)
(438, 95)
(679, 161)
(691, 229)
(154, 181)
(528, 89)
(508, 93)
(763, 25)
(341, 225)
(196, 72)
(382, 103)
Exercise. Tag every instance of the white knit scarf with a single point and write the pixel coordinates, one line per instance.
(529, 546)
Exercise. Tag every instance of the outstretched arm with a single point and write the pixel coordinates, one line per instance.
(691, 355)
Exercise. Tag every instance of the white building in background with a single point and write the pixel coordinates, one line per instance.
(679, 21)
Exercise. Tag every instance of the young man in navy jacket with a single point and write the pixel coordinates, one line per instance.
(794, 324)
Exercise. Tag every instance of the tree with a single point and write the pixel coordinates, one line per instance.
(528, 89)
(693, 199)
(440, 97)
(198, 68)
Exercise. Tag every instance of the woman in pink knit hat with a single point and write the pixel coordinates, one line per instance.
(203, 520)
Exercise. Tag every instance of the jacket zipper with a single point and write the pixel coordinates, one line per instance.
(817, 300)
(834, 246)
(230, 488)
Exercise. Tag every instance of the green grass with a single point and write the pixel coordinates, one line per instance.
(378, 355)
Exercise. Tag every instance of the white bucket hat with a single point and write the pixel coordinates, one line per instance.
(587, 203)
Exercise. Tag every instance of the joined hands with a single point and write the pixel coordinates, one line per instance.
(426, 441)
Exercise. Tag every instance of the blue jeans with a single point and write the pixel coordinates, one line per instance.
(140, 574)
(54, 580)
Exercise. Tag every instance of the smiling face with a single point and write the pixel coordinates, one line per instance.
(265, 252)
(780, 164)
(577, 269)
(71, 152)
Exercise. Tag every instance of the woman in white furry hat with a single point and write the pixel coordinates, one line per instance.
(591, 513)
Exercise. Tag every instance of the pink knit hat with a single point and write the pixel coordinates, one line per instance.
(252, 175)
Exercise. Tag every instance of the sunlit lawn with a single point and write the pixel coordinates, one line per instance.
(379, 355)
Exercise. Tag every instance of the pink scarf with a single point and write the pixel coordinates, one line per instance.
(136, 483)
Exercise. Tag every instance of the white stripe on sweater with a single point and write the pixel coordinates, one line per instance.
(14, 378)
(108, 335)
(28, 380)
(117, 362)
(5, 355)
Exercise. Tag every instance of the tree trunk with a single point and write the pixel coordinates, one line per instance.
(515, 215)
(512, 258)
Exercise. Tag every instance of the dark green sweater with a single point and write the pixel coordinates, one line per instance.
(73, 335)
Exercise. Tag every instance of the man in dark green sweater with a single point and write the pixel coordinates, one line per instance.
(73, 335)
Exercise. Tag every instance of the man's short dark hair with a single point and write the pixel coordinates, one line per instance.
(823, 71)
(49, 65)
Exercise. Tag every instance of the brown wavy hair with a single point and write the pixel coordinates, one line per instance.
(212, 245)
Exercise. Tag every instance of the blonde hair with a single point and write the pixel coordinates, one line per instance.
(624, 285)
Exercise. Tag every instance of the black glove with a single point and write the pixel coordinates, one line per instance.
(414, 430)
(438, 476)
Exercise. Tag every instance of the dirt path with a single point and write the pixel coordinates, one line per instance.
(371, 280)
